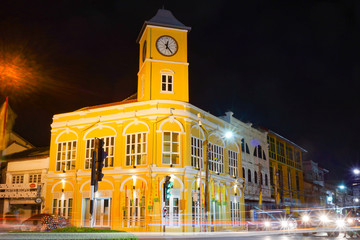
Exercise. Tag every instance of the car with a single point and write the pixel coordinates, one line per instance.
(44, 222)
(320, 221)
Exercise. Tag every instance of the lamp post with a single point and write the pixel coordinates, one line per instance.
(341, 187)
(227, 135)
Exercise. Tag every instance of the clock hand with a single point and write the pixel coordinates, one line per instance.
(167, 47)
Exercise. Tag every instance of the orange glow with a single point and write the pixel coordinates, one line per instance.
(17, 74)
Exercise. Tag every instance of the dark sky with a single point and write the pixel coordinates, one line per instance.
(291, 66)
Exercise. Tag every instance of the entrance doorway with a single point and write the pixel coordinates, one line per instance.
(102, 212)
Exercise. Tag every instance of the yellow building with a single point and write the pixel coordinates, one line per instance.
(286, 174)
(148, 138)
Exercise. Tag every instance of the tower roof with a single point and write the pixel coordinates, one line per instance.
(163, 18)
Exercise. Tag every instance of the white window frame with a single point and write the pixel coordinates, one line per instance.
(35, 178)
(63, 207)
(171, 153)
(233, 163)
(109, 148)
(134, 214)
(171, 219)
(235, 210)
(131, 159)
(216, 158)
(65, 159)
(17, 179)
(197, 152)
(167, 83)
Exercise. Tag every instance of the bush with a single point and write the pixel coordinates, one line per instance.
(94, 230)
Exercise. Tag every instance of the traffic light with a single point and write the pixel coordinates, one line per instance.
(167, 188)
(98, 158)
(101, 155)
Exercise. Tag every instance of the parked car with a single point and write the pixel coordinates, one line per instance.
(44, 222)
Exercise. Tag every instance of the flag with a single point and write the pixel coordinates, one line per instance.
(7, 120)
(260, 198)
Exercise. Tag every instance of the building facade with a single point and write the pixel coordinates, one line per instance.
(286, 173)
(150, 138)
(24, 190)
(314, 184)
(255, 166)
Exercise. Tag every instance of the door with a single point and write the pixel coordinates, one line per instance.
(102, 214)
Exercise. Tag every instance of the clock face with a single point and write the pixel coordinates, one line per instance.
(144, 51)
(166, 45)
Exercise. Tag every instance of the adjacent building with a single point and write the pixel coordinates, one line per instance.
(314, 184)
(255, 165)
(149, 137)
(23, 191)
(286, 172)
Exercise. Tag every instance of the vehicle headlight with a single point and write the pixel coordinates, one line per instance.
(284, 224)
(324, 218)
(267, 224)
(305, 218)
(350, 220)
(340, 223)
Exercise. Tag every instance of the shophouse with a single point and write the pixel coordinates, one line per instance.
(149, 137)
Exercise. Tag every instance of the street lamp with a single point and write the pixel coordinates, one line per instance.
(356, 171)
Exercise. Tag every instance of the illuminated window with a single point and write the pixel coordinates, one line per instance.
(108, 148)
(196, 152)
(66, 156)
(166, 83)
(233, 163)
(135, 149)
(63, 207)
(216, 158)
(235, 210)
(35, 178)
(171, 148)
(17, 179)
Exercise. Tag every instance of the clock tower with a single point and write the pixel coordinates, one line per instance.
(163, 66)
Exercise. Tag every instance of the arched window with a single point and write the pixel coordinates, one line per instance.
(261, 179)
(266, 180)
(255, 177)
(242, 145)
(243, 169)
(247, 148)
(249, 175)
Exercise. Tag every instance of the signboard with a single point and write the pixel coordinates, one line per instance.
(25, 190)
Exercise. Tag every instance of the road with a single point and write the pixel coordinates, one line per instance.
(172, 236)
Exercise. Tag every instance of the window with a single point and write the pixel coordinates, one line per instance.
(266, 180)
(289, 153)
(297, 156)
(66, 156)
(63, 207)
(216, 158)
(108, 148)
(255, 177)
(297, 182)
(171, 148)
(35, 178)
(166, 83)
(235, 210)
(259, 151)
(172, 205)
(249, 175)
(247, 148)
(271, 176)
(242, 145)
(196, 209)
(243, 172)
(272, 151)
(17, 179)
(264, 156)
(134, 210)
(135, 149)
(196, 152)
(261, 179)
(233, 163)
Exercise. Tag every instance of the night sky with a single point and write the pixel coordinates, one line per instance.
(290, 66)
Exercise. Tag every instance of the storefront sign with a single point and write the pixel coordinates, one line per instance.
(25, 190)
